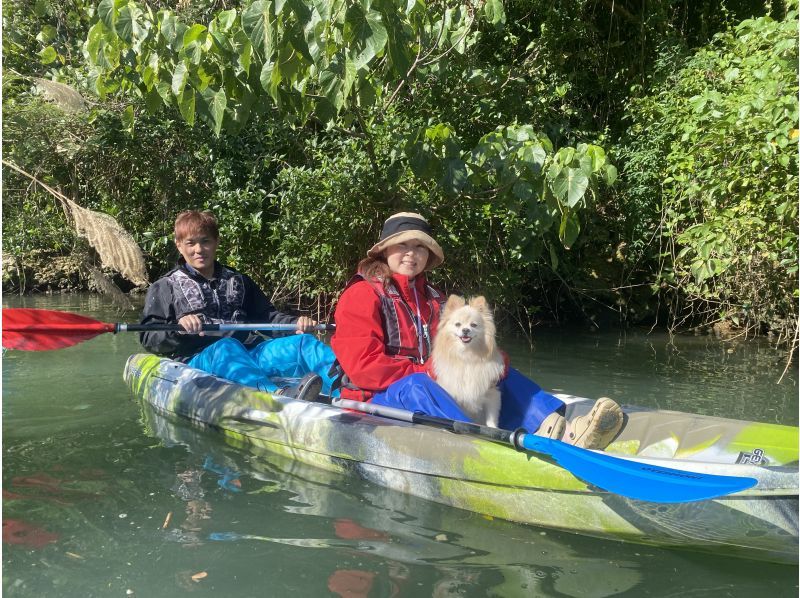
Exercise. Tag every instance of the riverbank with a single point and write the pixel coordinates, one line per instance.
(45, 273)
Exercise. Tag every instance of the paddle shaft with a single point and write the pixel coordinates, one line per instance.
(452, 425)
(213, 327)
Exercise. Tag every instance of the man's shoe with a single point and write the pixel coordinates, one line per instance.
(307, 389)
(598, 428)
(552, 426)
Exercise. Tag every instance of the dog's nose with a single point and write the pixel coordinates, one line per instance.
(465, 331)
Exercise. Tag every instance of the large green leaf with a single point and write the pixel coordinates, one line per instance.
(610, 174)
(314, 32)
(243, 49)
(127, 119)
(598, 157)
(186, 105)
(570, 185)
(127, 26)
(461, 24)
(107, 12)
(225, 19)
(216, 103)
(570, 228)
(366, 93)
(168, 27)
(323, 8)
(533, 156)
(325, 111)
(399, 46)
(301, 10)
(195, 42)
(494, 11)
(337, 80)
(455, 176)
(270, 79)
(149, 77)
(296, 38)
(289, 63)
(164, 91)
(48, 55)
(553, 258)
(366, 34)
(152, 101)
(524, 191)
(47, 34)
(94, 40)
(257, 24)
(179, 78)
(194, 34)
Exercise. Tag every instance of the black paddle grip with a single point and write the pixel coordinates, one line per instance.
(465, 427)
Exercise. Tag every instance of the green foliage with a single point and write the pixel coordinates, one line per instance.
(45, 37)
(722, 135)
(516, 169)
(326, 215)
(312, 74)
(309, 59)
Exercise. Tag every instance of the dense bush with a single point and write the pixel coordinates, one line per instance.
(711, 165)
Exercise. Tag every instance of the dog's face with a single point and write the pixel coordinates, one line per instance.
(467, 326)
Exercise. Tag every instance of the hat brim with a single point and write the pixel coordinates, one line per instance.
(435, 255)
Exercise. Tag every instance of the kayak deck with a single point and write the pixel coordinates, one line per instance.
(494, 479)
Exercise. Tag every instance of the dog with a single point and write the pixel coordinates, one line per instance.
(465, 360)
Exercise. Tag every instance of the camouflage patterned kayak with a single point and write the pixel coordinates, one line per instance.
(487, 477)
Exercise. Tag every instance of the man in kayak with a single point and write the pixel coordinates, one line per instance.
(386, 319)
(201, 291)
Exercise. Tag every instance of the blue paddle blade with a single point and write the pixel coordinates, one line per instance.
(631, 479)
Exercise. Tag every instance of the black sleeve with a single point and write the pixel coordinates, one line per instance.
(158, 309)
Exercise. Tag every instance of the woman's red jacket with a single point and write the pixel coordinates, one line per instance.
(359, 340)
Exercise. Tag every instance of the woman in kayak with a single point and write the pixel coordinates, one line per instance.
(200, 291)
(385, 322)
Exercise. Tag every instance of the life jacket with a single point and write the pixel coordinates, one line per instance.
(398, 316)
(220, 299)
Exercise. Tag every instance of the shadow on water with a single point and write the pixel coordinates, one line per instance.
(101, 497)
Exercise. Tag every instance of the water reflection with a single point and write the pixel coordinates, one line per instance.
(393, 531)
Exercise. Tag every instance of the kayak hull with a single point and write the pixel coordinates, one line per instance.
(494, 479)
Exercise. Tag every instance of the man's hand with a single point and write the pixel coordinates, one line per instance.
(305, 324)
(192, 324)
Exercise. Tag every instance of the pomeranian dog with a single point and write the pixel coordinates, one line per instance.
(465, 359)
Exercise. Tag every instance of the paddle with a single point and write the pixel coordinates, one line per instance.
(28, 329)
(632, 479)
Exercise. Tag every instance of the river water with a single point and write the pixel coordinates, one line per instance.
(101, 498)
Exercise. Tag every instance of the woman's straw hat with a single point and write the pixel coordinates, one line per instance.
(408, 226)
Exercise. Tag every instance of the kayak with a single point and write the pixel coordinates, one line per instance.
(480, 475)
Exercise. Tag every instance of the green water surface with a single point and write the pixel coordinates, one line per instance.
(90, 479)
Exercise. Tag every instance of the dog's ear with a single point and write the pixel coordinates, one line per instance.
(480, 304)
(453, 303)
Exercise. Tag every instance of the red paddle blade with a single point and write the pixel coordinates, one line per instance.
(28, 329)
